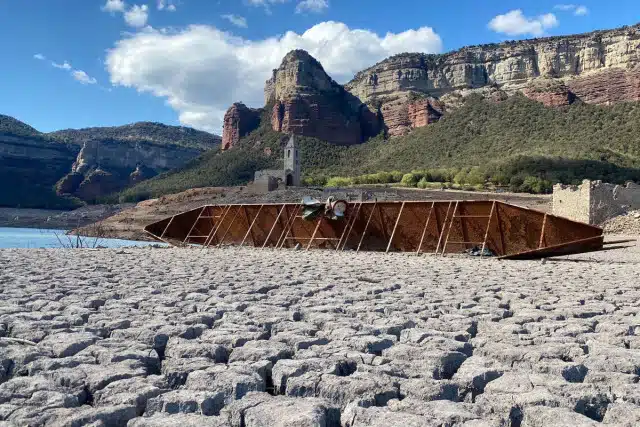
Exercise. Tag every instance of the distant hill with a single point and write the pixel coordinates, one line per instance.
(504, 141)
(149, 132)
(12, 126)
(60, 169)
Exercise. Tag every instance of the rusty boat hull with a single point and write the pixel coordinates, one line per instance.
(439, 227)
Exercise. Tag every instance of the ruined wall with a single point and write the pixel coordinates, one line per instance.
(609, 200)
(594, 202)
(572, 201)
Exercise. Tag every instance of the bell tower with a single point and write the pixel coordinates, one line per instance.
(292, 163)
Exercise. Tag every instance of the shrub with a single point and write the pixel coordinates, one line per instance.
(339, 181)
(409, 180)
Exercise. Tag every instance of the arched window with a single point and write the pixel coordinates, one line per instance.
(288, 153)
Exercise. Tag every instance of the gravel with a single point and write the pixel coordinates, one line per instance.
(628, 223)
(245, 337)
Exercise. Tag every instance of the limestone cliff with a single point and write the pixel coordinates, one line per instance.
(29, 168)
(88, 163)
(105, 166)
(599, 67)
(306, 101)
(239, 120)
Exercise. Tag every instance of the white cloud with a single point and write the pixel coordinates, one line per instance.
(316, 6)
(83, 77)
(581, 11)
(578, 10)
(201, 70)
(79, 75)
(514, 23)
(137, 16)
(238, 21)
(64, 66)
(265, 3)
(114, 6)
(167, 5)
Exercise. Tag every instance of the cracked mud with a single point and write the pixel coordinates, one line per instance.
(243, 337)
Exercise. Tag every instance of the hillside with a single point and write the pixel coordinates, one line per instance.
(60, 169)
(12, 126)
(149, 132)
(516, 138)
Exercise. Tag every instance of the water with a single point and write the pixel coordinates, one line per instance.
(39, 238)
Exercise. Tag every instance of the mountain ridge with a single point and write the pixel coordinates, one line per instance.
(411, 90)
(61, 168)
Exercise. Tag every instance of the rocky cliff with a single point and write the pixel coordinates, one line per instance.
(105, 166)
(599, 67)
(88, 163)
(306, 101)
(239, 120)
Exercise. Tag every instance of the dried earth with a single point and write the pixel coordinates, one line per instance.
(242, 337)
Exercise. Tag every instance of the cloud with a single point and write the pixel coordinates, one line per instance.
(581, 11)
(79, 75)
(578, 10)
(137, 16)
(114, 6)
(265, 3)
(315, 6)
(167, 5)
(201, 70)
(83, 77)
(238, 21)
(64, 66)
(514, 23)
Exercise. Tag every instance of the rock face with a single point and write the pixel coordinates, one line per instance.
(88, 163)
(599, 68)
(103, 167)
(239, 121)
(306, 101)
(30, 165)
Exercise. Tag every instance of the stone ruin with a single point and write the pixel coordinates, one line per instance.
(289, 176)
(594, 202)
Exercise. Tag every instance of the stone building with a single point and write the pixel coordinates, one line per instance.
(288, 176)
(594, 202)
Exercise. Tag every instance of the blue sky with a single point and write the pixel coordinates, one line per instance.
(79, 63)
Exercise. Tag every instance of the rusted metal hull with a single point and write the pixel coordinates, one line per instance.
(505, 230)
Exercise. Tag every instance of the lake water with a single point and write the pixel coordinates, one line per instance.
(39, 238)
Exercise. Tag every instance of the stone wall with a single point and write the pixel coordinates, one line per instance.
(572, 201)
(594, 202)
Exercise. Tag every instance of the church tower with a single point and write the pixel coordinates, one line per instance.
(292, 163)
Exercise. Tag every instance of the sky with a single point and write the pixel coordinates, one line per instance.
(83, 63)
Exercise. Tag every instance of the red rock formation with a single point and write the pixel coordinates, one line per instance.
(308, 102)
(403, 114)
(238, 122)
(608, 87)
(312, 116)
(552, 93)
(425, 112)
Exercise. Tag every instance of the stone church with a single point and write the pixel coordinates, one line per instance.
(288, 176)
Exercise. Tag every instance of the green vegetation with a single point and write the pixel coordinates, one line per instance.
(153, 133)
(518, 143)
(14, 127)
